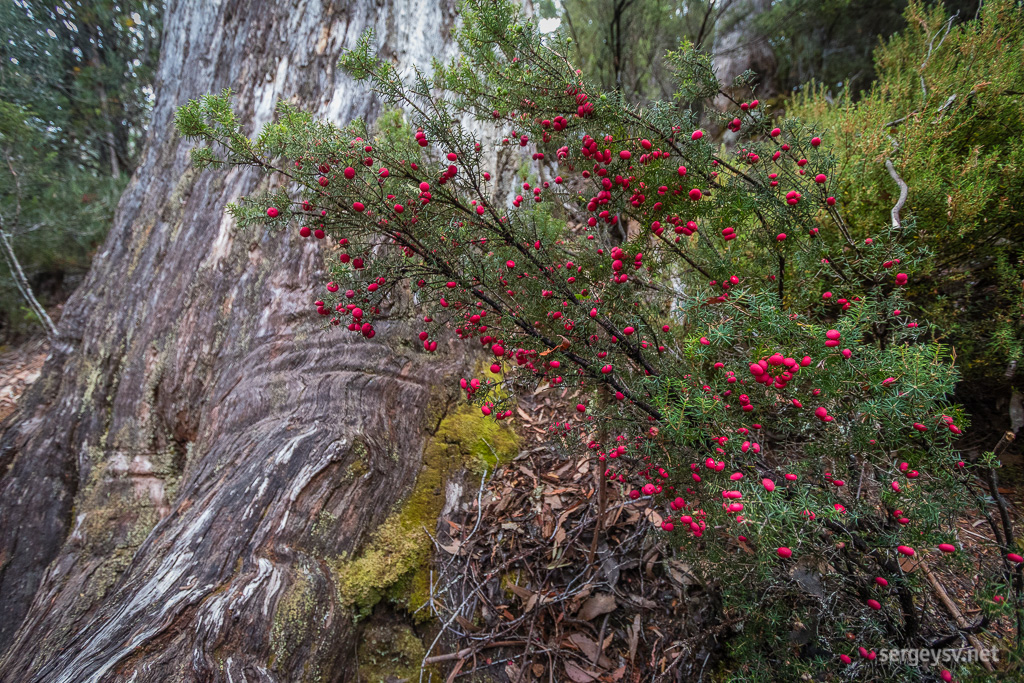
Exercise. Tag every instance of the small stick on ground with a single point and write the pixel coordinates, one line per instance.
(599, 484)
(467, 651)
(954, 612)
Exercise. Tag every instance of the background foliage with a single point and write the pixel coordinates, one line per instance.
(826, 41)
(946, 109)
(76, 91)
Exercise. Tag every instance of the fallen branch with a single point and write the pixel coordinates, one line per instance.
(470, 651)
(954, 612)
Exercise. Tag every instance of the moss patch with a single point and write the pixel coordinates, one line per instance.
(389, 651)
(393, 565)
(294, 611)
(481, 442)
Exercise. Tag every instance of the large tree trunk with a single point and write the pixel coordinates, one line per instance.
(197, 444)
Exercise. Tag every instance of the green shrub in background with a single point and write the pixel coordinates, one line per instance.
(75, 97)
(55, 214)
(947, 110)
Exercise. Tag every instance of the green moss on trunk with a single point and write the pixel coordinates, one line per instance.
(394, 563)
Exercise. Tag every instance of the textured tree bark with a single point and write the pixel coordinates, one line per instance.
(197, 444)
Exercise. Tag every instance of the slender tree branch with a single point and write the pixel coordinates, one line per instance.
(903, 194)
(22, 283)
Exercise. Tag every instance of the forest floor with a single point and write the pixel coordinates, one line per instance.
(526, 588)
(20, 366)
(529, 590)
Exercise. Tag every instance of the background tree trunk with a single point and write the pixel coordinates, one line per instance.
(740, 45)
(197, 444)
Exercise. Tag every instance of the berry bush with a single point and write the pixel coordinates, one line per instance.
(745, 361)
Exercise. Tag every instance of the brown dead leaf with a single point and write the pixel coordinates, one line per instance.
(908, 564)
(590, 649)
(632, 515)
(616, 514)
(560, 472)
(520, 592)
(561, 347)
(649, 566)
(577, 674)
(602, 603)
(528, 472)
(547, 522)
(506, 498)
(466, 624)
(681, 573)
(452, 548)
(641, 601)
(633, 632)
(455, 671)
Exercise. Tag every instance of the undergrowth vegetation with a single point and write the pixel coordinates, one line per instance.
(946, 110)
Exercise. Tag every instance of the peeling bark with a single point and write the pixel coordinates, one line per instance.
(198, 449)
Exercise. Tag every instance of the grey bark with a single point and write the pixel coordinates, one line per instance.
(184, 462)
(740, 46)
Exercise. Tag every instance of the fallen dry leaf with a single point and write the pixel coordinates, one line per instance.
(590, 649)
(602, 603)
(466, 624)
(634, 636)
(520, 592)
(577, 674)
(653, 517)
